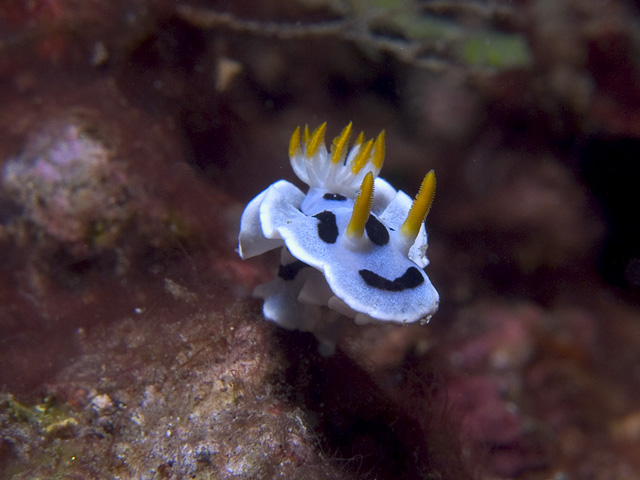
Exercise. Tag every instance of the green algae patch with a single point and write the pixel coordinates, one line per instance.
(496, 50)
(51, 418)
(37, 436)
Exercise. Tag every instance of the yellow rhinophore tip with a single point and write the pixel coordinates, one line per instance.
(339, 144)
(294, 143)
(420, 207)
(305, 134)
(378, 151)
(362, 157)
(316, 139)
(361, 208)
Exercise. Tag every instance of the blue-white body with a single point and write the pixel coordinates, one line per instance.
(326, 270)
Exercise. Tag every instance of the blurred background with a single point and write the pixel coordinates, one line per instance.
(133, 133)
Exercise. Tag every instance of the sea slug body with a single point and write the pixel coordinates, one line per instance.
(351, 246)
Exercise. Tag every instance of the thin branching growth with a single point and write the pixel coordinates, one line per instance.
(423, 35)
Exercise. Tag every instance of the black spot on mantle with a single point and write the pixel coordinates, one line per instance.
(376, 231)
(410, 279)
(334, 196)
(327, 227)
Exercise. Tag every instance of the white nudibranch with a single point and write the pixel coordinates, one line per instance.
(352, 246)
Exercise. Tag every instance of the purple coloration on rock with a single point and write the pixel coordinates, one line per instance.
(68, 185)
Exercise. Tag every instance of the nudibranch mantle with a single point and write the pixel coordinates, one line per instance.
(351, 246)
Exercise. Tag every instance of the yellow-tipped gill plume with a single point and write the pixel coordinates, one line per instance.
(359, 140)
(315, 140)
(361, 208)
(371, 151)
(378, 151)
(340, 169)
(420, 207)
(294, 143)
(362, 157)
(339, 146)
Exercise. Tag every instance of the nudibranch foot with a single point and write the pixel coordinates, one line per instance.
(352, 246)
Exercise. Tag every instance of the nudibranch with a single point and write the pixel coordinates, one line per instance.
(353, 246)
